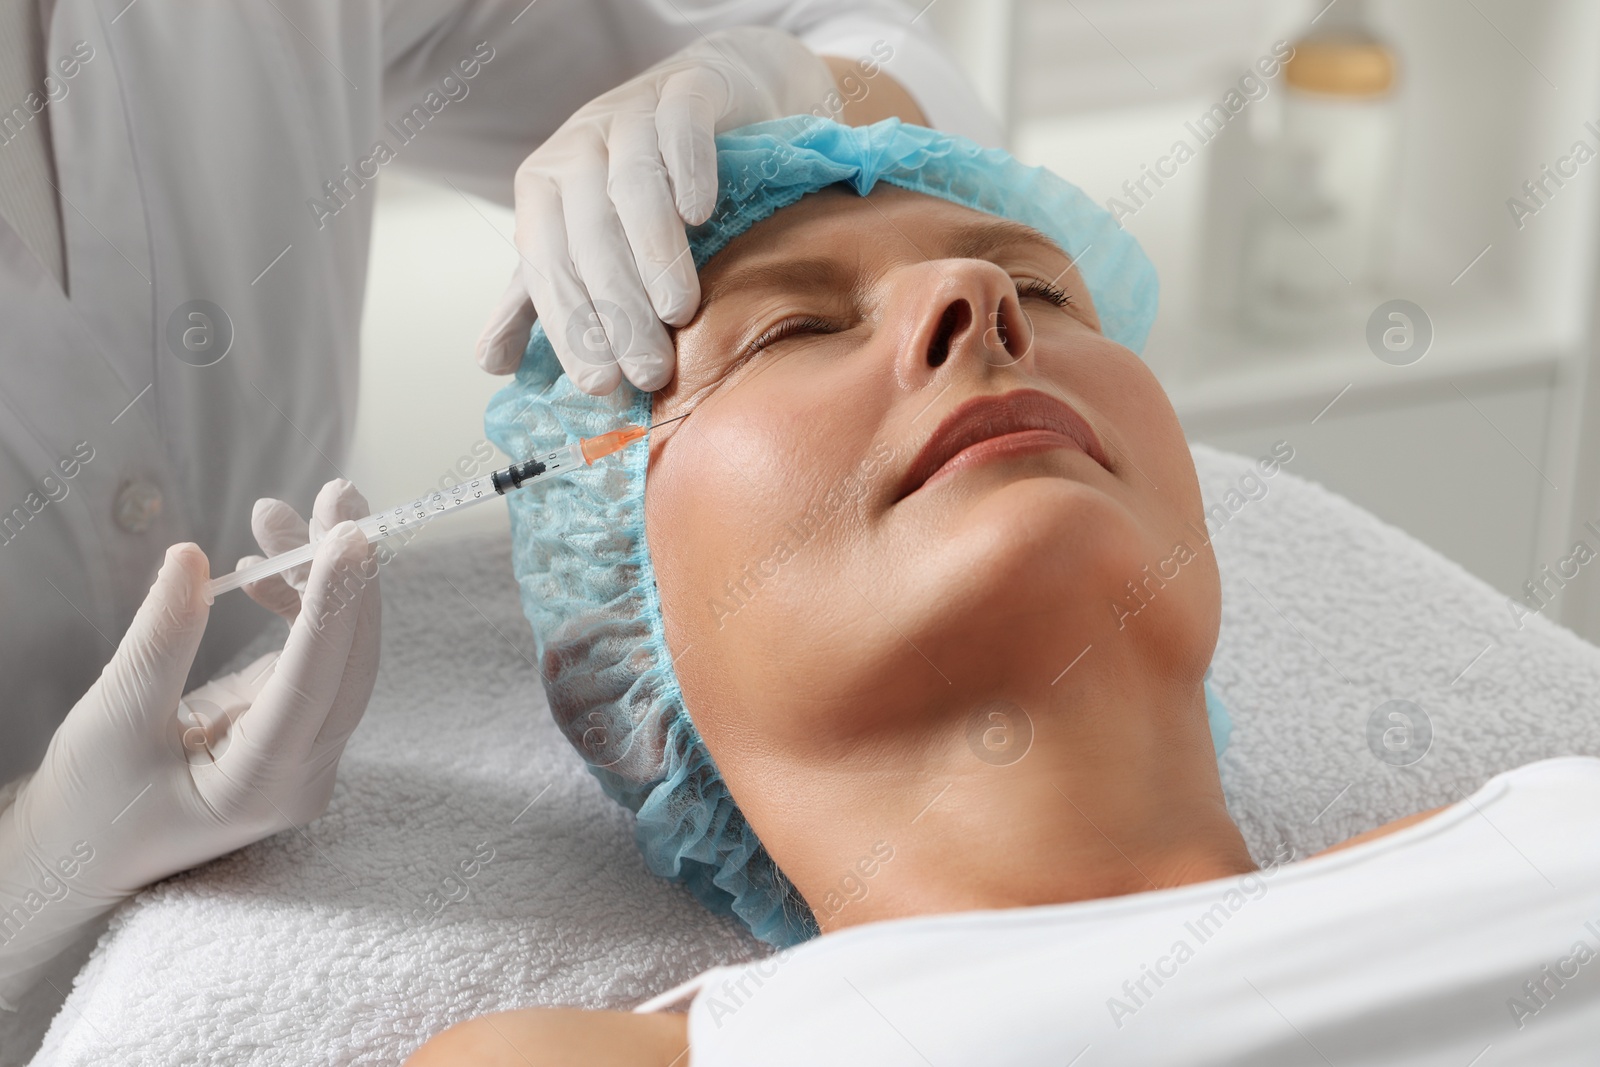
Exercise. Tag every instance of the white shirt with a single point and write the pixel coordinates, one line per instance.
(27, 183)
(1475, 933)
(221, 156)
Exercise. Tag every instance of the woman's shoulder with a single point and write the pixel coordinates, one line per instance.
(556, 1037)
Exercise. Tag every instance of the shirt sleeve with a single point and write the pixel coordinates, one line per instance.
(12, 989)
(472, 87)
(916, 59)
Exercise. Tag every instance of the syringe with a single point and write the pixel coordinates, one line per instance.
(409, 516)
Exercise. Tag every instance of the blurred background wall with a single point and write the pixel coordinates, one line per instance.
(1376, 243)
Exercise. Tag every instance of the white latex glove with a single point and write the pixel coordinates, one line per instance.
(136, 786)
(601, 206)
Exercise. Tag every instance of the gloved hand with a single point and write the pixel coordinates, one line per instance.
(136, 786)
(601, 206)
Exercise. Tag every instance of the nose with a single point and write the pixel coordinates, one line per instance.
(960, 311)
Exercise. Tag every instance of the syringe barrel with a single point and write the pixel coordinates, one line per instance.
(391, 522)
(404, 517)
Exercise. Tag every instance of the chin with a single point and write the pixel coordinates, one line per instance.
(1039, 557)
(1048, 524)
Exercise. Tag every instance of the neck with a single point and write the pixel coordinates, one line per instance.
(1123, 800)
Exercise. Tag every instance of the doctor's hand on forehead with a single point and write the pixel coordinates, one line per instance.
(601, 206)
(141, 782)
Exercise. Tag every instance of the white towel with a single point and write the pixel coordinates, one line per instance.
(315, 946)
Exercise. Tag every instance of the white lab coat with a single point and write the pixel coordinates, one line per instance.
(192, 148)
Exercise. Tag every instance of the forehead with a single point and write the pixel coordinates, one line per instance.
(891, 222)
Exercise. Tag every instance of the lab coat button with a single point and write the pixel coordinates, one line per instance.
(138, 504)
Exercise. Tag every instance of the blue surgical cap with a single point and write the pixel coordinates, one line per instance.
(578, 543)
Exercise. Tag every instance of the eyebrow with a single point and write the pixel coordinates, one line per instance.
(978, 240)
(984, 240)
(785, 274)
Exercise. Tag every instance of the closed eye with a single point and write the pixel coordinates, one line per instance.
(1044, 291)
(786, 328)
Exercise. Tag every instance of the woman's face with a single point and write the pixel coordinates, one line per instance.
(843, 569)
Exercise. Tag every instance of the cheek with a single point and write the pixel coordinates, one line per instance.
(1163, 497)
(1138, 426)
(751, 510)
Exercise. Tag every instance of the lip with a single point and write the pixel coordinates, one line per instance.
(1005, 424)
